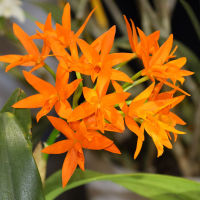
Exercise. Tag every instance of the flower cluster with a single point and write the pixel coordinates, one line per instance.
(85, 124)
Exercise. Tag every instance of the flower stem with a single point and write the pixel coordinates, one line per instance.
(124, 63)
(141, 80)
(50, 71)
(78, 92)
(133, 78)
(51, 139)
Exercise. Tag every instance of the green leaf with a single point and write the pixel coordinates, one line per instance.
(23, 115)
(152, 186)
(19, 177)
(55, 11)
(192, 17)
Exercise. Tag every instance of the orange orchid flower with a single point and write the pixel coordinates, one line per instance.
(101, 104)
(98, 62)
(62, 31)
(82, 138)
(157, 67)
(154, 116)
(34, 58)
(50, 95)
(133, 39)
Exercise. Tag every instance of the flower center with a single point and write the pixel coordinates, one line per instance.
(98, 67)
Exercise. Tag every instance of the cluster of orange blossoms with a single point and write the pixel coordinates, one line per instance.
(82, 124)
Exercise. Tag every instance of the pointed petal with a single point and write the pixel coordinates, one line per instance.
(116, 58)
(37, 67)
(161, 55)
(114, 98)
(41, 86)
(69, 166)
(120, 76)
(138, 147)
(113, 116)
(28, 44)
(90, 53)
(84, 24)
(62, 77)
(103, 82)
(10, 58)
(130, 36)
(176, 118)
(69, 89)
(97, 143)
(90, 95)
(80, 155)
(170, 128)
(133, 126)
(62, 126)
(82, 111)
(34, 101)
(63, 109)
(107, 42)
(66, 18)
(48, 25)
(113, 148)
(40, 25)
(59, 147)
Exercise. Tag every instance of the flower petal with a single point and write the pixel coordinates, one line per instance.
(59, 147)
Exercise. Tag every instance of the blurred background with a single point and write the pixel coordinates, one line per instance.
(169, 16)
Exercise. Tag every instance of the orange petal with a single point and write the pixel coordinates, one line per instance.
(41, 86)
(48, 25)
(66, 18)
(107, 42)
(69, 166)
(133, 126)
(138, 148)
(62, 77)
(59, 147)
(63, 109)
(97, 143)
(103, 82)
(40, 25)
(90, 95)
(34, 101)
(84, 24)
(113, 116)
(130, 36)
(114, 98)
(28, 44)
(161, 55)
(10, 58)
(113, 148)
(80, 155)
(82, 111)
(120, 76)
(116, 58)
(37, 67)
(176, 118)
(90, 53)
(62, 126)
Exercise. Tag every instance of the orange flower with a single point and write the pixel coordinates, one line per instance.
(82, 138)
(154, 116)
(50, 95)
(61, 33)
(157, 67)
(133, 39)
(34, 58)
(101, 104)
(98, 62)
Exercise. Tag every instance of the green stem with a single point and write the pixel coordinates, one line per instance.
(141, 80)
(124, 63)
(137, 75)
(50, 71)
(51, 140)
(78, 92)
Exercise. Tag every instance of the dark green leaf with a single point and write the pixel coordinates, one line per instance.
(23, 115)
(152, 186)
(19, 177)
